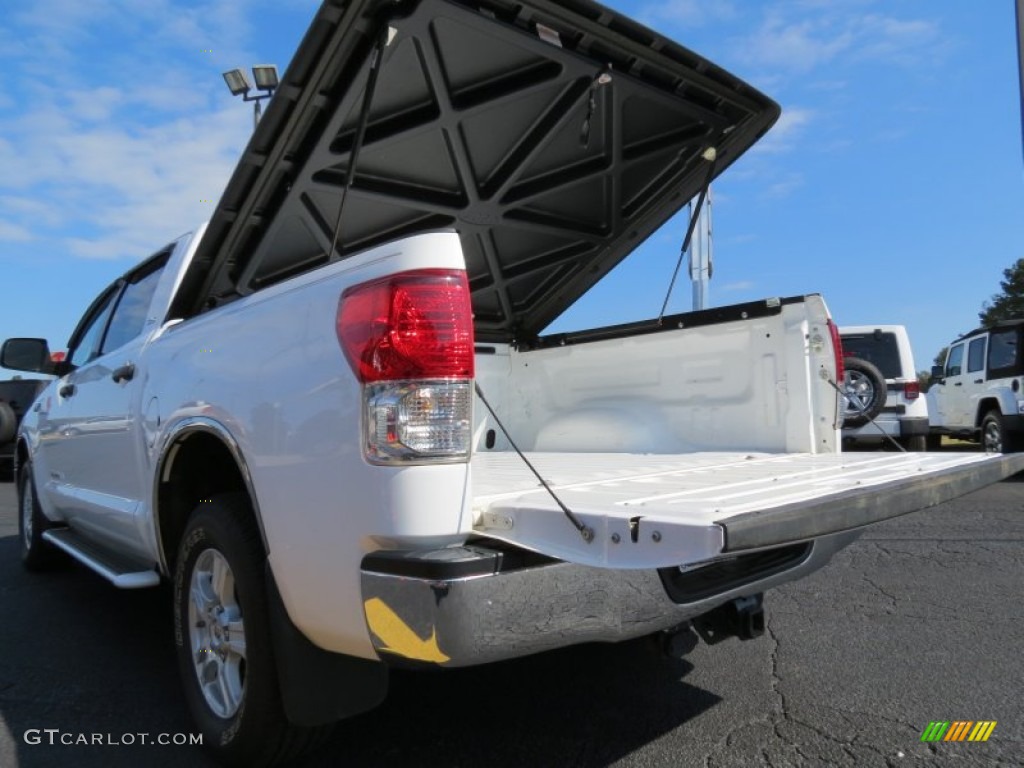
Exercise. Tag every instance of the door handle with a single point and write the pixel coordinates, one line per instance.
(958, 384)
(67, 390)
(125, 372)
(979, 381)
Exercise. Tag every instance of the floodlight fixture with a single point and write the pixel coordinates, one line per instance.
(237, 82)
(265, 76)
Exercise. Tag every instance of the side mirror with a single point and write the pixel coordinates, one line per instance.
(26, 355)
(938, 374)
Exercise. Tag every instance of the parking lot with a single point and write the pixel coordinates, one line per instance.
(921, 620)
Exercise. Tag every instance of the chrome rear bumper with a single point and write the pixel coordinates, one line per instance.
(465, 606)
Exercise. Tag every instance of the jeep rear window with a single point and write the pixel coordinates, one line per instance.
(879, 348)
(1002, 354)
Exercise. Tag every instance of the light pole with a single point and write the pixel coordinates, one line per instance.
(1020, 58)
(265, 76)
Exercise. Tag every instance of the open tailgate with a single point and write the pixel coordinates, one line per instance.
(654, 511)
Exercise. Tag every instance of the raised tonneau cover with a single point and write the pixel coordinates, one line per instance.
(553, 135)
(652, 511)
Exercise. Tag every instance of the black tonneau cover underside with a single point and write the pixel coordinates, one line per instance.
(476, 124)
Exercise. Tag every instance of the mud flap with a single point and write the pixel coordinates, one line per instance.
(317, 686)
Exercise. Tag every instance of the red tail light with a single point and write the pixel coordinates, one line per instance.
(837, 348)
(912, 389)
(412, 325)
(409, 340)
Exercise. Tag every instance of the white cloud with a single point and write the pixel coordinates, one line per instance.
(785, 185)
(30, 210)
(741, 285)
(685, 13)
(795, 46)
(154, 184)
(113, 155)
(800, 38)
(14, 232)
(905, 42)
(95, 104)
(787, 131)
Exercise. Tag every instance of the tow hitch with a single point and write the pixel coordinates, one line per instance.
(676, 642)
(742, 618)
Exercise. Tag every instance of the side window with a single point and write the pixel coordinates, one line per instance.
(955, 361)
(976, 355)
(130, 314)
(1002, 349)
(90, 331)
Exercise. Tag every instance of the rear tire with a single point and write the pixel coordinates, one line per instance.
(8, 423)
(994, 436)
(36, 553)
(915, 443)
(863, 383)
(222, 635)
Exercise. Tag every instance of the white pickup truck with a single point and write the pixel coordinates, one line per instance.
(331, 420)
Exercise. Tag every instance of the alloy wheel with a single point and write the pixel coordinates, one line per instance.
(217, 633)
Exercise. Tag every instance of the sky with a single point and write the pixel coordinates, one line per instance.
(893, 184)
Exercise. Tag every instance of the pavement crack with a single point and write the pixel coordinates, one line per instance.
(773, 660)
(893, 600)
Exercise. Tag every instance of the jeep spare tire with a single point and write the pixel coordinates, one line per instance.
(864, 391)
(8, 423)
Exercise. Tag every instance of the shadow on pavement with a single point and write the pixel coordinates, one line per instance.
(80, 656)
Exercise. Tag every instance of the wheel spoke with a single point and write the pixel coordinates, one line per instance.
(26, 515)
(235, 641)
(230, 687)
(222, 581)
(200, 598)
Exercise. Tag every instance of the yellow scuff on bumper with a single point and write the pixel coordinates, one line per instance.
(398, 637)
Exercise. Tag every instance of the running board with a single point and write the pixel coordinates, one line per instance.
(117, 569)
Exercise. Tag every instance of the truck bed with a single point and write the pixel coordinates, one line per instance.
(652, 510)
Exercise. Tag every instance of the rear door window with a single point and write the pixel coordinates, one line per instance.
(85, 341)
(976, 355)
(130, 315)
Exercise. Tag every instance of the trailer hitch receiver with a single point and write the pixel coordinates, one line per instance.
(742, 618)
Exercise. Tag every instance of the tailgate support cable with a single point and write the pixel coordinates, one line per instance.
(585, 530)
(710, 155)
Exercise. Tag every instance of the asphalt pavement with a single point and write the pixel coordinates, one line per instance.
(921, 620)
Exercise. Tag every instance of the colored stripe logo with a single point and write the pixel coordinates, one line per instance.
(958, 730)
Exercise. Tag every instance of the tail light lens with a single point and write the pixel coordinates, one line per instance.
(837, 349)
(408, 326)
(409, 340)
(912, 389)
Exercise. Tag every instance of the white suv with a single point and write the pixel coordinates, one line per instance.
(879, 361)
(977, 393)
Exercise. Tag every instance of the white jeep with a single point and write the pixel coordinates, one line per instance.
(883, 393)
(976, 393)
